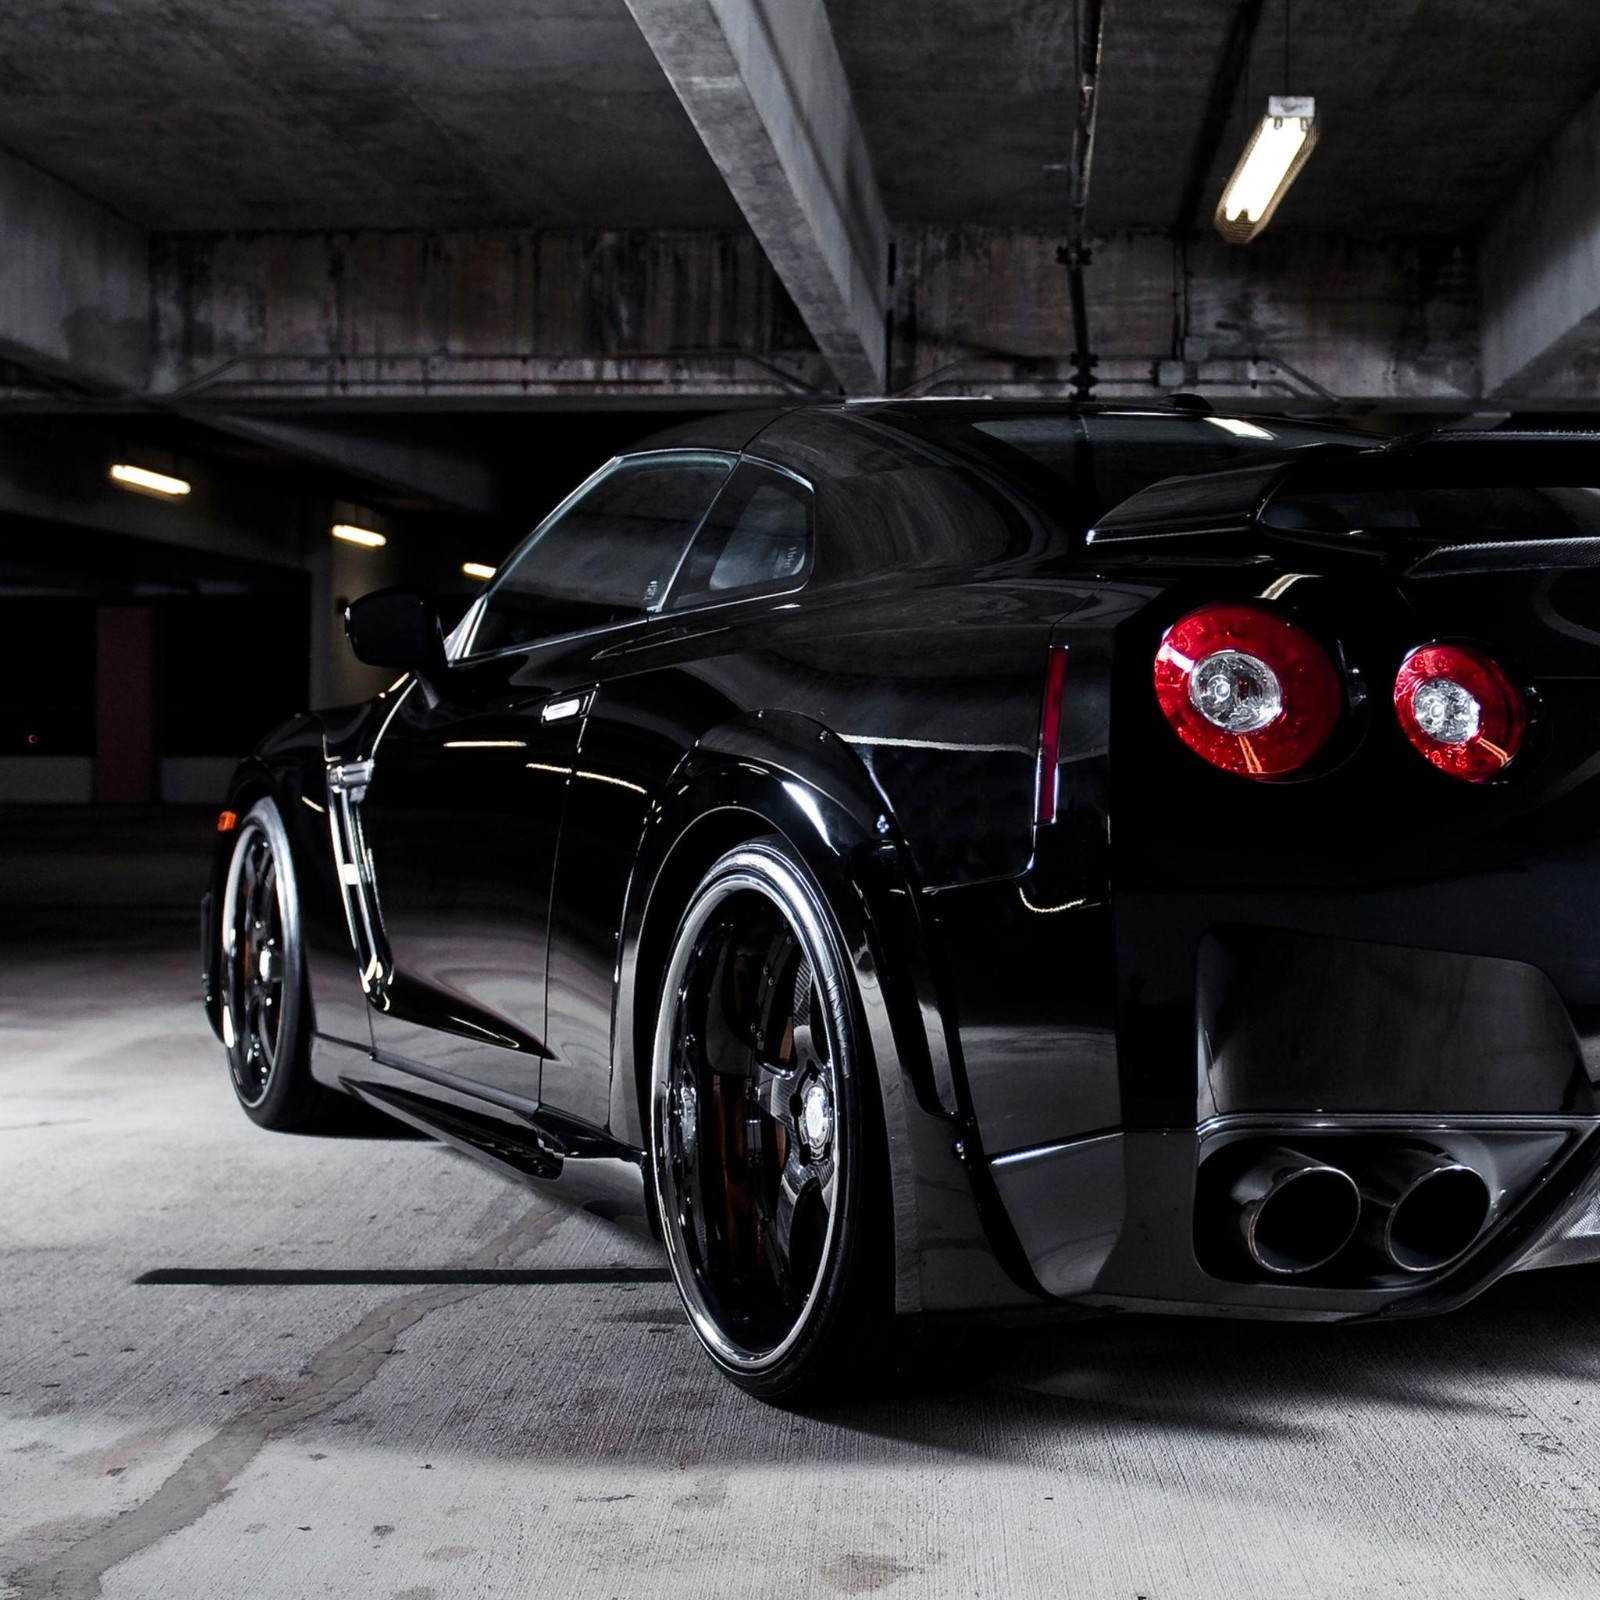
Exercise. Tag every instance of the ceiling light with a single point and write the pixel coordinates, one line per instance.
(365, 537)
(142, 478)
(477, 569)
(1239, 428)
(1271, 161)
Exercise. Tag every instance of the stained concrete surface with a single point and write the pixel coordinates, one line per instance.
(430, 1441)
(355, 114)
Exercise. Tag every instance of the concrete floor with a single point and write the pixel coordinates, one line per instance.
(424, 1441)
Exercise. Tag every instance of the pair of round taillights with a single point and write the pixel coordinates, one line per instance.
(1254, 693)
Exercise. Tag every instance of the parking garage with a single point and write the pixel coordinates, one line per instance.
(302, 301)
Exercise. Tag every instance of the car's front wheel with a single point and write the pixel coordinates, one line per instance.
(766, 1144)
(265, 1016)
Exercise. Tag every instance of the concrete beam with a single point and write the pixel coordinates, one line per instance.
(447, 479)
(763, 84)
(62, 481)
(74, 285)
(513, 316)
(537, 318)
(1541, 273)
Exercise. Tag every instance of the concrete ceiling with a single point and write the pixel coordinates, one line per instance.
(348, 114)
(967, 105)
(200, 115)
(341, 114)
(1431, 110)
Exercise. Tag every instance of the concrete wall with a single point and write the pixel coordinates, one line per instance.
(69, 780)
(510, 314)
(61, 780)
(74, 283)
(987, 311)
(582, 318)
(1541, 273)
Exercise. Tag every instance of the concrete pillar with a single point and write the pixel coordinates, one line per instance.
(124, 755)
(766, 91)
(1541, 273)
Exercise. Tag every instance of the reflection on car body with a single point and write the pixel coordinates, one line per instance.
(976, 856)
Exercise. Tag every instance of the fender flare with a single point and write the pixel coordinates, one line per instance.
(786, 774)
(292, 777)
(252, 780)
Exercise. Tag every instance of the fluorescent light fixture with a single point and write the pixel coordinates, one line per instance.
(1270, 163)
(131, 477)
(1239, 428)
(477, 569)
(364, 537)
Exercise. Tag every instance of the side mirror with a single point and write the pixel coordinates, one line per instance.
(394, 628)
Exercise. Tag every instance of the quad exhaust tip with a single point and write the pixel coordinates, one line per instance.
(1423, 1209)
(1415, 1209)
(1295, 1213)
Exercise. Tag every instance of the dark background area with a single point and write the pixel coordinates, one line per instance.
(224, 647)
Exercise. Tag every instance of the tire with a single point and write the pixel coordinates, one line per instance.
(767, 1155)
(266, 1012)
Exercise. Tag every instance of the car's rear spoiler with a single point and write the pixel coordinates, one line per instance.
(1232, 502)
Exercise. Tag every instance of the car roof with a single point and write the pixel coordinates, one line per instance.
(735, 430)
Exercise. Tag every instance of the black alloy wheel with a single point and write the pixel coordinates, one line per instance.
(265, 1021)
(765, 1142)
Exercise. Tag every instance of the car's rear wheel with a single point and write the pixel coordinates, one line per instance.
(265, 1016)
(766, 1147)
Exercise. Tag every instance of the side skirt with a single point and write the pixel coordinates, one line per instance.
(529, 1144)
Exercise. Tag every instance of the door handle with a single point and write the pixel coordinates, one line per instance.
(565, 707)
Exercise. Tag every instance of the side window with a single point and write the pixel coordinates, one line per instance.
(607, 556)
(756, 540)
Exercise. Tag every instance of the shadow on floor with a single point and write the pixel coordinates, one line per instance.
(1263, 1379)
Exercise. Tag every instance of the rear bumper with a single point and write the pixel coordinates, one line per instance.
(1355, 1053)
(1372, 951)
(1572, 1238)
(1126, 1220)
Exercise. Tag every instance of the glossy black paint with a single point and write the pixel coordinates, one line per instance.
(462, 812)
(1070, 1022)
(392, 628)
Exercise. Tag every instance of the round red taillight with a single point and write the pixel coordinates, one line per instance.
(1247, 689)
(1460, 709)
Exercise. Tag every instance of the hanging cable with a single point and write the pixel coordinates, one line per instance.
(1074, 255)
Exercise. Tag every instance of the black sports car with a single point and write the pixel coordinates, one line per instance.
(974, 855)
